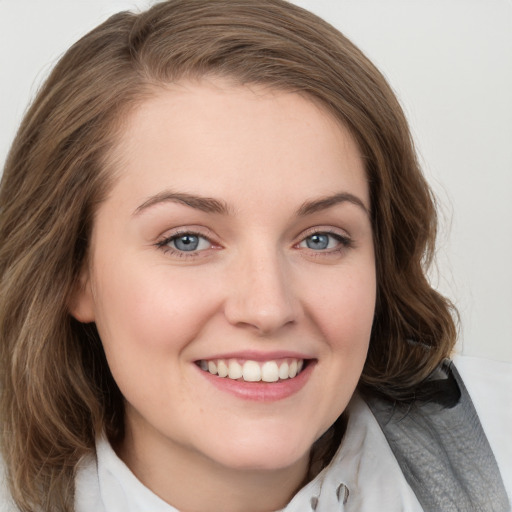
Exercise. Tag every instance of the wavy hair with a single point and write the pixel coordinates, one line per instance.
(57, 393)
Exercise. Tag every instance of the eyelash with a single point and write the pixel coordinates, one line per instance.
(167, 249)
(345, 243)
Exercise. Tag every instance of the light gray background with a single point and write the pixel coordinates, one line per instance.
(450, 62)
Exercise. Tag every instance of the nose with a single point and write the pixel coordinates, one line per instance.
(261, 295)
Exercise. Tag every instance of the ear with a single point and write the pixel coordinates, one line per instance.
(81, 302)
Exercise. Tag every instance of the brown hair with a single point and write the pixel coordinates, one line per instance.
(57, 391)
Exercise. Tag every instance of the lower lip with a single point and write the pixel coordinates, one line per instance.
(261, 391)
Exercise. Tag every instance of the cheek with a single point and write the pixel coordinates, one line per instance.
(146, 319)
(344, 310)
(144, 311)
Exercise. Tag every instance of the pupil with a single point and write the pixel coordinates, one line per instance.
(318, 242)
(187, 243)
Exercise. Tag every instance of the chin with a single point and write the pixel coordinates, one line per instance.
(263, 453)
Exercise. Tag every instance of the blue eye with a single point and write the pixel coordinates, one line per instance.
(319, 241)
(188, 242)
(323, 241)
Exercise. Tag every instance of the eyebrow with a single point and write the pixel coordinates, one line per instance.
(324, 203)
(205, 204)
(211, 205)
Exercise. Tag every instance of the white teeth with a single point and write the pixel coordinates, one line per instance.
(253, 371)
(222, 369)
(235, 370)
(283, 371)
(293, 369)
(270, 372)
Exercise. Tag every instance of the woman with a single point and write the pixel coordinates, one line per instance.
(208, 244)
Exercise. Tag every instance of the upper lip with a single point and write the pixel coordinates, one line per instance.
(253, 355)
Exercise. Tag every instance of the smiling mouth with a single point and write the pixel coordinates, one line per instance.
(254, 371)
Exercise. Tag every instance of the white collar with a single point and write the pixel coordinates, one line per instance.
(363, 475)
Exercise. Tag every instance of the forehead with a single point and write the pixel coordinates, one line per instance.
(215, 138)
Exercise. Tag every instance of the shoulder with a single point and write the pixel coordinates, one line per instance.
(489, 384)
(87, 486)
(6, 503)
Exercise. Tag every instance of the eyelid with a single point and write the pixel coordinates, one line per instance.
(326, 230)
(192, 229)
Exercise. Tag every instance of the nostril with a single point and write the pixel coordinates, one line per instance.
(263, 319)
(261, 297)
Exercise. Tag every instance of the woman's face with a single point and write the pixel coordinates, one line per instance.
(237, 240)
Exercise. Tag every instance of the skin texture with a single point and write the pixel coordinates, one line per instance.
(252, 286)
